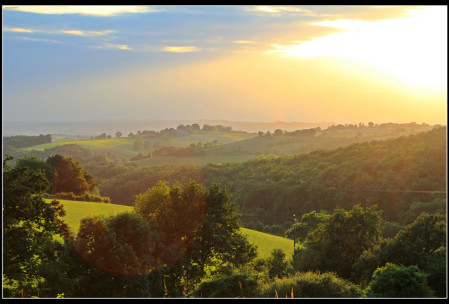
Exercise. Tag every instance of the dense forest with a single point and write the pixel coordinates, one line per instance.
(394, 174)
(368, 220)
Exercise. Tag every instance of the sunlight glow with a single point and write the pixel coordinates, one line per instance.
(413, 49)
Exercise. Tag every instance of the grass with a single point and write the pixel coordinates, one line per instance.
(76, 210)
(86, 143)
(266, 242)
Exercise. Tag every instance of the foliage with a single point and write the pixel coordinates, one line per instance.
(30, 251)
(335, 244)
(69, 176)
(308, 223)
(422, 243)
(393, 281)
(388, 173)
(390, 229)
(22, 141)
(278, 266)
(84, 198)
(36, 164)
(111, 257)
(435, 206)
(199, 227)
(237, 284)
(311, 285)
(123, 188)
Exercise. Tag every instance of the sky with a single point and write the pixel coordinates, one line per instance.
(343, 64)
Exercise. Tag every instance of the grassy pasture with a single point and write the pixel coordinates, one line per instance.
(86, 143)
(266, 242)
(76, 210)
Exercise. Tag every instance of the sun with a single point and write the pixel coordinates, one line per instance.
(410, 50)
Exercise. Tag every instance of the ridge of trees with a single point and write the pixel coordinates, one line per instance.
(389, 173)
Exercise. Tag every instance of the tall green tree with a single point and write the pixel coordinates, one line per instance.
(112, 257)
(29, 228)
(422, 243)
(338, 242)
(199, 226)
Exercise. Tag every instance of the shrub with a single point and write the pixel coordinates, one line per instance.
(311, 285)
(240, 285)
(84, 198)
(393, 281)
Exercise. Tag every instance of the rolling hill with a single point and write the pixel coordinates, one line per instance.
(77, 210)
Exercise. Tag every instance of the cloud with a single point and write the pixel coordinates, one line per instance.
(39, 39)
(92, 10)
(70, 32)
(180, 49)
(17, 30)
(280, 9)
(87, 33)
(113, 46)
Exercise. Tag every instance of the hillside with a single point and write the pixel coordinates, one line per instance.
(389, 173)
(76, 210)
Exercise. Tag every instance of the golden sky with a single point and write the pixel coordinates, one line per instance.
(291, 63)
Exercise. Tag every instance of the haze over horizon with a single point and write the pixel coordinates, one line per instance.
(341, 64)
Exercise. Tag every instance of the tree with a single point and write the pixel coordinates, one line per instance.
(69, 176)
(278, 132)
(36, 164)
(393, 281)
(199, 228)
(29, 228)
(337, 243)
(118, 134)
(277, 264)
(308, 223)
(112, 257)
(422, 243)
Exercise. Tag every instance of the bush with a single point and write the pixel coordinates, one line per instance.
(311, 285)
(394, 281)
(235, 285)
(85, 197)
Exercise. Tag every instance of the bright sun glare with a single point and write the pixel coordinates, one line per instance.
(413, 50)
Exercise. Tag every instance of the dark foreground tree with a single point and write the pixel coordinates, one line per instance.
(30, 225)
(202, 225)
(112, 257)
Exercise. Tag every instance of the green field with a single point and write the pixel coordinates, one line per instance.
(76, 210)
(86, 143)
(266, 242)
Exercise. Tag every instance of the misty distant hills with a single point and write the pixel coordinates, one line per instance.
(109, 127)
